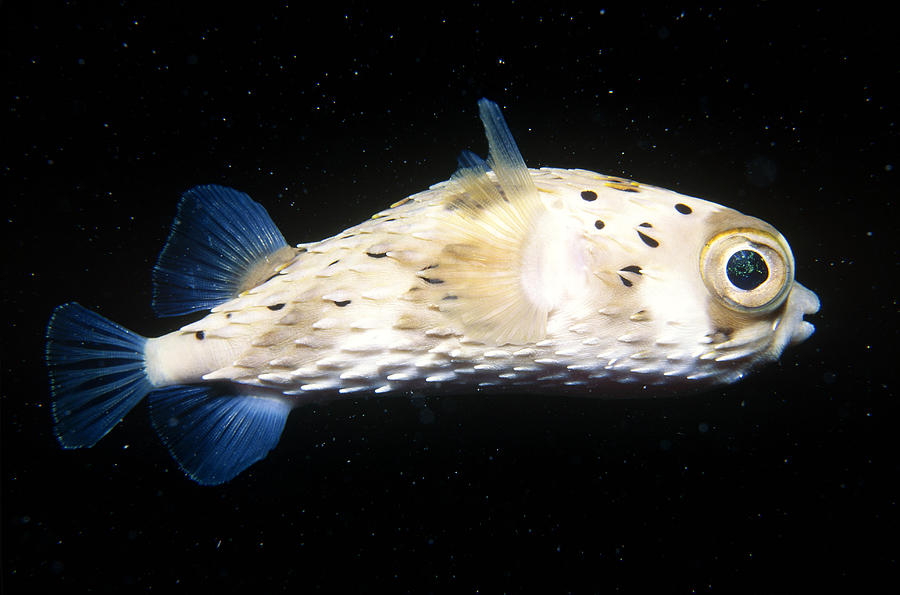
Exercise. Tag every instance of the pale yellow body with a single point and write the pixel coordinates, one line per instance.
(450, 285)
(531, 279)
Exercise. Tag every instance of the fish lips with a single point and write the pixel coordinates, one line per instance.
(801, 302)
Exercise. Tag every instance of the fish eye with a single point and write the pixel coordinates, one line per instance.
(748, 269)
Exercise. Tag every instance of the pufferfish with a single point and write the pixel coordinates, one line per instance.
(554, 280)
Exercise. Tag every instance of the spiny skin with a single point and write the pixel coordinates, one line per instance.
(604, 286)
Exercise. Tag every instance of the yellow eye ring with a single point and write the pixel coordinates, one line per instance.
(748, 269)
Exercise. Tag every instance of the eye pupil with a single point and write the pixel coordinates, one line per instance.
(747, 269)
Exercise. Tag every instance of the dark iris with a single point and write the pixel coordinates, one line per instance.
(747, 270)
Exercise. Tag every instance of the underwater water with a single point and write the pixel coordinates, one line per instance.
(782, 483)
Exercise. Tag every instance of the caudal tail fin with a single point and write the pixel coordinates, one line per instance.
(97, 374)
(222, 242)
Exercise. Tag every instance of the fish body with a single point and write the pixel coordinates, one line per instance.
(542, 279)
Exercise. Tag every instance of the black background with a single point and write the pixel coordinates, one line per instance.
(784, 483)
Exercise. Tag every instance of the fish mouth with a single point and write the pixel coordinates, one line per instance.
(802, 302)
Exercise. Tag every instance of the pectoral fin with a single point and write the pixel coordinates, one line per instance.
(493, 218)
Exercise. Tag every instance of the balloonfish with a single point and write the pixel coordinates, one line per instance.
(550, 280)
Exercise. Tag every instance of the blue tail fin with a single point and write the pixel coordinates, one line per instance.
(97, 374)
(214, 434)
(222, 242)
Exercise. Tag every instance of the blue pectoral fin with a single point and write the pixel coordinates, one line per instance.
(469, 159)
(97, 374)
(214, 435)
(221, 243)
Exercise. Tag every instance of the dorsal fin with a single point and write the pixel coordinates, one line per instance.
(493, 219)
(221, 243)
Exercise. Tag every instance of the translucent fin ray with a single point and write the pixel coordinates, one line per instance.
(218, 241)
(470, 159)
(97, 374)
(505, 158)
(493, 219)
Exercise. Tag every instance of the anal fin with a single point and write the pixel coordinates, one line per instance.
(212, 434)
(221, 243)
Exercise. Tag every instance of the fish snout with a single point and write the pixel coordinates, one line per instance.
(803, 302)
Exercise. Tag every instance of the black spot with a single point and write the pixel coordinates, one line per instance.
(648, 240)
(334, 262)
(683, 209)
(599, 224)
(432, 281)
(431, 266)
(275, 307)
(228, 315)
(633, 268)
(588, 195)
(376, 254)
(450, 297)
(342, 303)
(645, 224)
(625, 281)
(200, 335)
